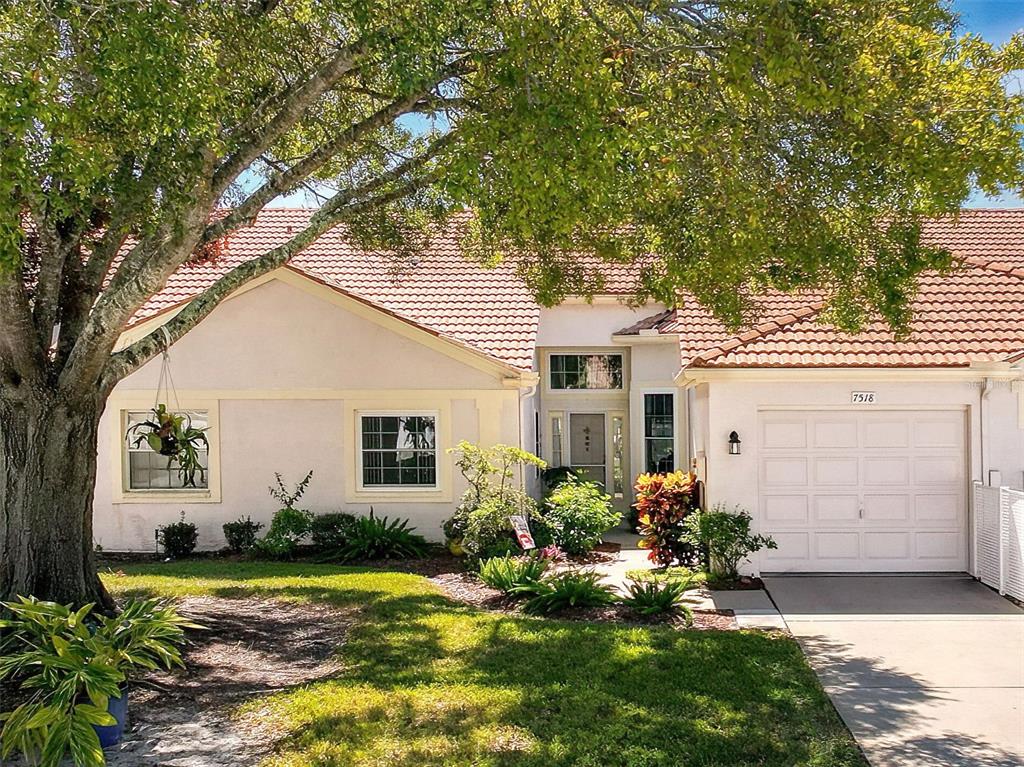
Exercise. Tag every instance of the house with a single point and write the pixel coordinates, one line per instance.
(855, 452)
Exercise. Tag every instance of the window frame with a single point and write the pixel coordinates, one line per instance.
(361, 487)
(643, 426)
(144, 449)
(122, 492)
(550, 372)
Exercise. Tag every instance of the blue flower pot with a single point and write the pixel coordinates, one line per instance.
(111, 735)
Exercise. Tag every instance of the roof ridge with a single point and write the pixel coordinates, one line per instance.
(757, 332)
(993, 265)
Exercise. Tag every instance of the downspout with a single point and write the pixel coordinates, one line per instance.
(983, 395)
(523, 396)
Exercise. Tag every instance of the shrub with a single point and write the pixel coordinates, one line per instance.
(663, 502)
(727, 538)
(178, 539)
(488, 527)
(290, 526)
(561, 592)
(481, 522)
(74, 662)
(650, 598)
(507, 573)
(331, 531)
(579, 513)
(287, 530)
(380, 538)
(553, 476)
(241, 534)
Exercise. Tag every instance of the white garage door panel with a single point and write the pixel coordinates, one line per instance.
(866, 491)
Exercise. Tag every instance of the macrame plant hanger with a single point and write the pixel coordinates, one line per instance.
(165, 382)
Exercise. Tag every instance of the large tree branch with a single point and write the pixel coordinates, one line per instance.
(289, 178)
(337, 210)
(25, 355)
(52, 254)
(292, 107)
(143, 271)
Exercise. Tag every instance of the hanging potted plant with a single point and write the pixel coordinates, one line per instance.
(173, 435)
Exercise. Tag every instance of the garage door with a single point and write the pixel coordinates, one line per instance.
(879, 491)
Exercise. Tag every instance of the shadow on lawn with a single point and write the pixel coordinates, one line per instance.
(541, 692)
(426, 681)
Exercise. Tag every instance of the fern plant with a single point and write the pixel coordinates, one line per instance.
(172, 435)
(510, 573)
(568, 590)
(653, 598)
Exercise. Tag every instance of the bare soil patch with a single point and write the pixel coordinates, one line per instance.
(250, 647)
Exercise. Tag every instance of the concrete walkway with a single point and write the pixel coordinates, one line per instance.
(926, 671)
(753, 609)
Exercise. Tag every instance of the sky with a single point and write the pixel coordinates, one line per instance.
(995, 21)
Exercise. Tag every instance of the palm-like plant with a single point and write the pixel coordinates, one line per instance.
(374, 537)
(561, 592)
(73, 662)
(651, 598)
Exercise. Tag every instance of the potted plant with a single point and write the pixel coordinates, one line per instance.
(173, 435)
(75, 665)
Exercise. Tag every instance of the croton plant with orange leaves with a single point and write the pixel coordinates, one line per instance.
(663, 501)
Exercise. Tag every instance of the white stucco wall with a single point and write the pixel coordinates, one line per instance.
(285, 371)
(725, 405)
(576, 323)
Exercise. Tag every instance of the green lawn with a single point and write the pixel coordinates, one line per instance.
(430, 682)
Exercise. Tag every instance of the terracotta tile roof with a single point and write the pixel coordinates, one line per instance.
(975, 314)
(489, 310)
(987, 234)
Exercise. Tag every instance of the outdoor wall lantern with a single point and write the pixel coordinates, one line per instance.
(734, 443)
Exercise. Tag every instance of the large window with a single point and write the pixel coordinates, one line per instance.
(586, 371)
(659, 433)
(148, 470)
(398, 450)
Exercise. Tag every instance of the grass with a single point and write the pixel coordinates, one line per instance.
(694, 578)
(428, 682)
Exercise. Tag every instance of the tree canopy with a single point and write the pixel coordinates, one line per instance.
(726, 146)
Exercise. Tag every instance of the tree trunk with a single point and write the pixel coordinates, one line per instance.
(48, 447)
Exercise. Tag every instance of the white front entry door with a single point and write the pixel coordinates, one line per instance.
(863, 491)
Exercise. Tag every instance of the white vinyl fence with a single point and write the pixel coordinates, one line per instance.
(999, 538)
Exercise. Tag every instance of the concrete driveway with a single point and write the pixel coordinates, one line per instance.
(925, 670)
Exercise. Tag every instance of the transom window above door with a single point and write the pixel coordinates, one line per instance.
(398, 450)
(586, 371)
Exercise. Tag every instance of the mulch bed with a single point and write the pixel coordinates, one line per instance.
(465, 587)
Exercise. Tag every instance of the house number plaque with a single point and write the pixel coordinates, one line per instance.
(863, 398)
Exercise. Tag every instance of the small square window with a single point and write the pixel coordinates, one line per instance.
(149, 470)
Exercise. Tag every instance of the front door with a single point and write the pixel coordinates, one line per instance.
(587, 446)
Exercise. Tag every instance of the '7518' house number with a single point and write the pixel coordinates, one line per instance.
(862, 398)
